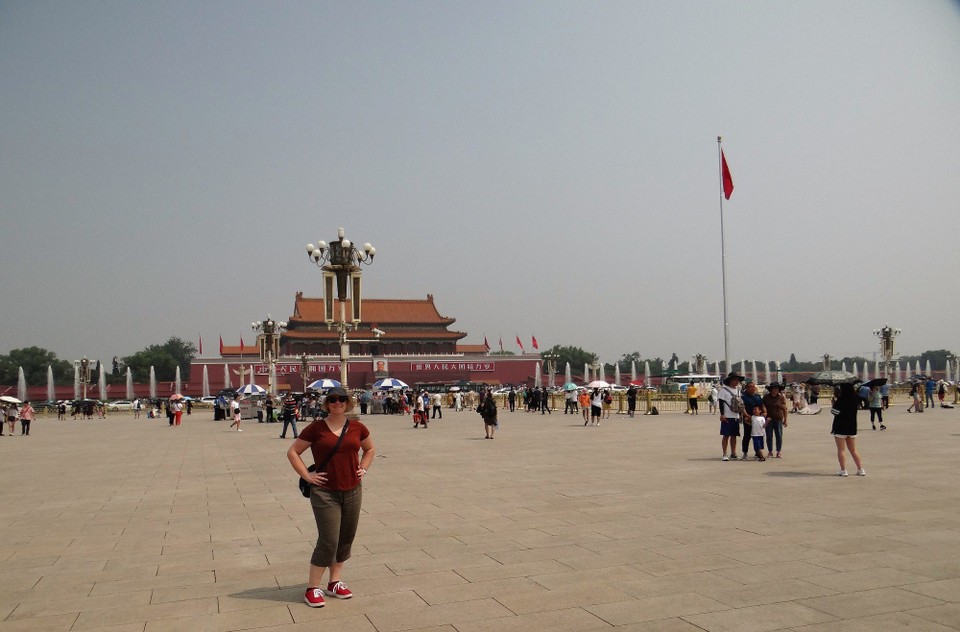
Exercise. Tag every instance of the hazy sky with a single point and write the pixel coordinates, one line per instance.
(545, 168)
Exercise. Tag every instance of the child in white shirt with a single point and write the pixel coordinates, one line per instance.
(757, 423)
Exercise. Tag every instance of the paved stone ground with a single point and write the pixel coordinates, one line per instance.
(124, 525)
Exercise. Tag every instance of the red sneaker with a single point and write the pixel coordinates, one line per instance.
(314, 597)
(338, 590)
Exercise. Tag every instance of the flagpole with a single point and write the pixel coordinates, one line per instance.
(723, 263)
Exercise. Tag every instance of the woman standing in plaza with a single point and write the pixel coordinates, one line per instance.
(844, 430)
(26, 416)
(488, 410)
(335, 489)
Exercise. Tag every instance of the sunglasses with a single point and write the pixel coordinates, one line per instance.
(343, 399)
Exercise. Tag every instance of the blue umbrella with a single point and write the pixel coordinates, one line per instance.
(323, 384)
(389, 384)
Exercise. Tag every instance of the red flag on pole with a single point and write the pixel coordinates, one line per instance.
(727, 178)
(221, 344)
(520, 344)
(501, 343)
(486, 345)
(535, 346)
(200, 351)
(241, 345)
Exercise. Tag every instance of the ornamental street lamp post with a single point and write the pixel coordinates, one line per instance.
(305, 370)
(886, 334)
(268, 343)
(84, 374)
(340, 262)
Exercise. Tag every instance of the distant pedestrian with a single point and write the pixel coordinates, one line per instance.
(177, 412)
(584, 401)
(876, 407)
(751, 399)
(631, 401)
(885, 395)
(11, 416)
(289, 413)
(776, 406)
(757, 423)
(844, 429)
(712, 399)
(26, 416)
(512, 399)
(235, 413)
(941, 392)
(929, 386)
(917, 403)
(731, 410)
(545, 402)
(607, 404)
(596, 407)
(437, 402)
(692, 399)
(488, 411)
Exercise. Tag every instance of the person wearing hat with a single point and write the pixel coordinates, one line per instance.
(731, 407)
(336, 491)
(776, 405)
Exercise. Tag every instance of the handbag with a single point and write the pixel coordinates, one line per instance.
(304, 485)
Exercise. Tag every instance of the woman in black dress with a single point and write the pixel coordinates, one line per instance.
(844, 430)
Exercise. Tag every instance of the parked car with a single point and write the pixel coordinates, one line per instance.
(208, 400)
(120, 404)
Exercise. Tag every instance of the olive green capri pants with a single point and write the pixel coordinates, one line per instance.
(337, 514)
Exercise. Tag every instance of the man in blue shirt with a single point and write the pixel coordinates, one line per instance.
(929, 386)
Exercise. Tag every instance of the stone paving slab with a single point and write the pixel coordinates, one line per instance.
(124, 525)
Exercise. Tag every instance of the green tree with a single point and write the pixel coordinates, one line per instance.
(574, 355)
(34, 361)
(164, 359)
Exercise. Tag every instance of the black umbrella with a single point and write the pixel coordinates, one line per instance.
(877, 381)
(833, 377)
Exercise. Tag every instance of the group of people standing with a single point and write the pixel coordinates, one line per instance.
(13, 413)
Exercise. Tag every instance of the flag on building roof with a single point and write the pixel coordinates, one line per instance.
(486, 345)
(535, 345)
(520, 344)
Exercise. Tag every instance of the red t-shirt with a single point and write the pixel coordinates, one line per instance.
(342, 467)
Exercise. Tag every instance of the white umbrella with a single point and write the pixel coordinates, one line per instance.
(389, 384)
(598, 384)
(323, 384)
(9, 400)
(252, 389)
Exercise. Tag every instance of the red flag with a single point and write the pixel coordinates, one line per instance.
(727, 178)
(241, 345)
(535, 346)
(221, 344)
(201, 344)
(520, 344)
(486, 345)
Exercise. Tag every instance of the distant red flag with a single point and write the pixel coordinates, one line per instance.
(201, 344)
(221, 344)
(535, 345)
(241, 345)
(727, 178)
(520, 344)
(486, 345)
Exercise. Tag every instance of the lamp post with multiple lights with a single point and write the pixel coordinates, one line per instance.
(886, 334)
(340, 262)
(268, 343)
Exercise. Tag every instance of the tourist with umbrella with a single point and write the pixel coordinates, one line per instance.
(844, 428)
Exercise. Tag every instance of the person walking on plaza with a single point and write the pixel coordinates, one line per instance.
(712, 398)
(458, 401)
(26, 416)
(917, 402)
(631, 401)
(584, 400)
(776, 406)
(692, 399)
(607, 404)
(437, 411)
(844, 429)
(885, 395)
(10, 414)
(488, 411)
(545, 402)
(751, 399)
(941, 392)
(288, 411)
(876, 407)
(596, 407)
(343, 452)
(731, 409)
(929, 386)
(235, 413)
(177, 412)
(512, 399)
